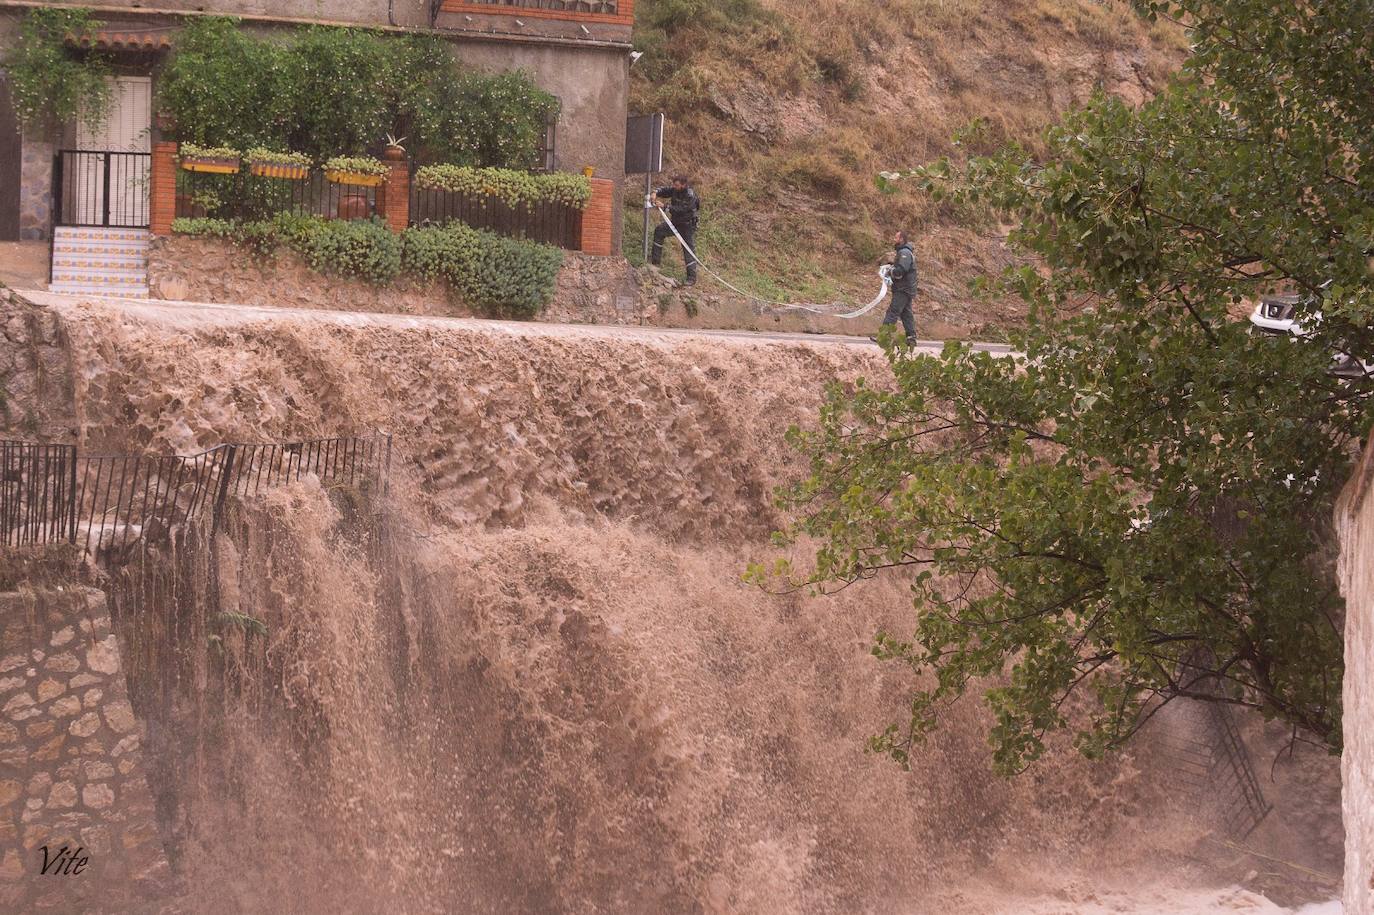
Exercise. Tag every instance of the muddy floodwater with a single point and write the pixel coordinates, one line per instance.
(532, 680)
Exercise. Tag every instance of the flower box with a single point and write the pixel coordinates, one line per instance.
(216, 164)
(358, 178)
(289, 170)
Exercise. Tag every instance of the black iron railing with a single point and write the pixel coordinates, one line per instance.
(110, 503)
(245, 196)
(553, 223)
(603, 7)
(95, 187)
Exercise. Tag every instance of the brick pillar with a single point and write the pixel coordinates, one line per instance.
(162, 182)
(597, 228)
(393, 197)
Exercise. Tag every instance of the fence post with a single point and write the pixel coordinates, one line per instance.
(394, 196)
(162, 181)
(226, 469)
(596, 218)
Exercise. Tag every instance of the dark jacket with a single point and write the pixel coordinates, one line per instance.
(682, 205)
(904, 269)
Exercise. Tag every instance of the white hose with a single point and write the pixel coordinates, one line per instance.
(884, 274)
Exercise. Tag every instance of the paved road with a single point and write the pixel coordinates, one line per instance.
(200, 313)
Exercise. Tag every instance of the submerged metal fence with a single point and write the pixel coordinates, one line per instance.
(1208, 755)
(102, 503)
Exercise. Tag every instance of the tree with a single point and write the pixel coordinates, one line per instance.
(1138, 507)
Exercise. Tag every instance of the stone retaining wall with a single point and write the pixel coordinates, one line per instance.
(71, 771)
(1355, 523)
(36, 397)
(591, 290)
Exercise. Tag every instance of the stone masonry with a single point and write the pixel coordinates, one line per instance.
(71, 772)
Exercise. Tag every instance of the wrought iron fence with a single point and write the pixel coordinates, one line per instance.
(604, 7)
(243, 195)
(552, 223)
(37, 493)
(110, 503)
(101, 188)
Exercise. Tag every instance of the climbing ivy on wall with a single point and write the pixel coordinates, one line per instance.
(331, 91)
(50, 84)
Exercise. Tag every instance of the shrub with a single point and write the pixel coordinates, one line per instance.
(497, 276)
(329, 91)
(515, 188)
(365, 249)
(500, 277)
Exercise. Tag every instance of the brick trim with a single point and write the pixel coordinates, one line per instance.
(393, 197)
(597, 224)
(162, 194)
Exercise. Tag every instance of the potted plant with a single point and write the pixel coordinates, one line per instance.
(269, 163)
(360, 170)
(223, 160)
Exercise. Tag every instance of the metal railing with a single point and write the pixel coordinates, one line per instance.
(243, 196)
(604, 7)
(1201, 740)
(105, 188)
(552, 223)
(110, 503)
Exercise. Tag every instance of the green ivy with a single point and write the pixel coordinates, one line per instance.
(363, 248)
(51, 85)
(515, 188)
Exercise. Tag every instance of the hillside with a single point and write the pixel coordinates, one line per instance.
(784, 112)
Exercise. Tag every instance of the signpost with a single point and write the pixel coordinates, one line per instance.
(644, 153)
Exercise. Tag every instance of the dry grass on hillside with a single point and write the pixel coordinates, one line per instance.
(784, 112)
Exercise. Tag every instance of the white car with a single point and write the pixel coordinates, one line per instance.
(1277, 315)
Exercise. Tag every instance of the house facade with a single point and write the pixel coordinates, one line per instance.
(578, 50)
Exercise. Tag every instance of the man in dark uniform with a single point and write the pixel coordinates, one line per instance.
(683, 205)
(903, 287)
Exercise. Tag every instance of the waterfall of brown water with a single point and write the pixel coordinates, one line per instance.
(546, 689)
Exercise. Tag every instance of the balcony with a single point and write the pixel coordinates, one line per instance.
(608, 20)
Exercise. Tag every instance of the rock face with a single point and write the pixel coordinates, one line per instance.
(71, 777)
(1355, 522)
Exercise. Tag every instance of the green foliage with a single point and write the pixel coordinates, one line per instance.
(331, 91)
(363, 248)
(501, 277)
(515, 188)
(1144, 497)
(50, 85)
(277, 157)
(362, 165)
(226, 87)
(341, 89)
(192, 151)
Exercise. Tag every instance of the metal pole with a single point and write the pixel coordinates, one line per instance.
(648, 198)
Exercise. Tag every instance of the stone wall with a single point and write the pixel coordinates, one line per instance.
(35, 188)
(71, 771)
(1355, 523)
(591, 290)
(36, 397)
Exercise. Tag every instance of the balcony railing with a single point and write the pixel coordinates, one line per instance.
(603, 7)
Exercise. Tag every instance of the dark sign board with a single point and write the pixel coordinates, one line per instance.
(644, 144)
